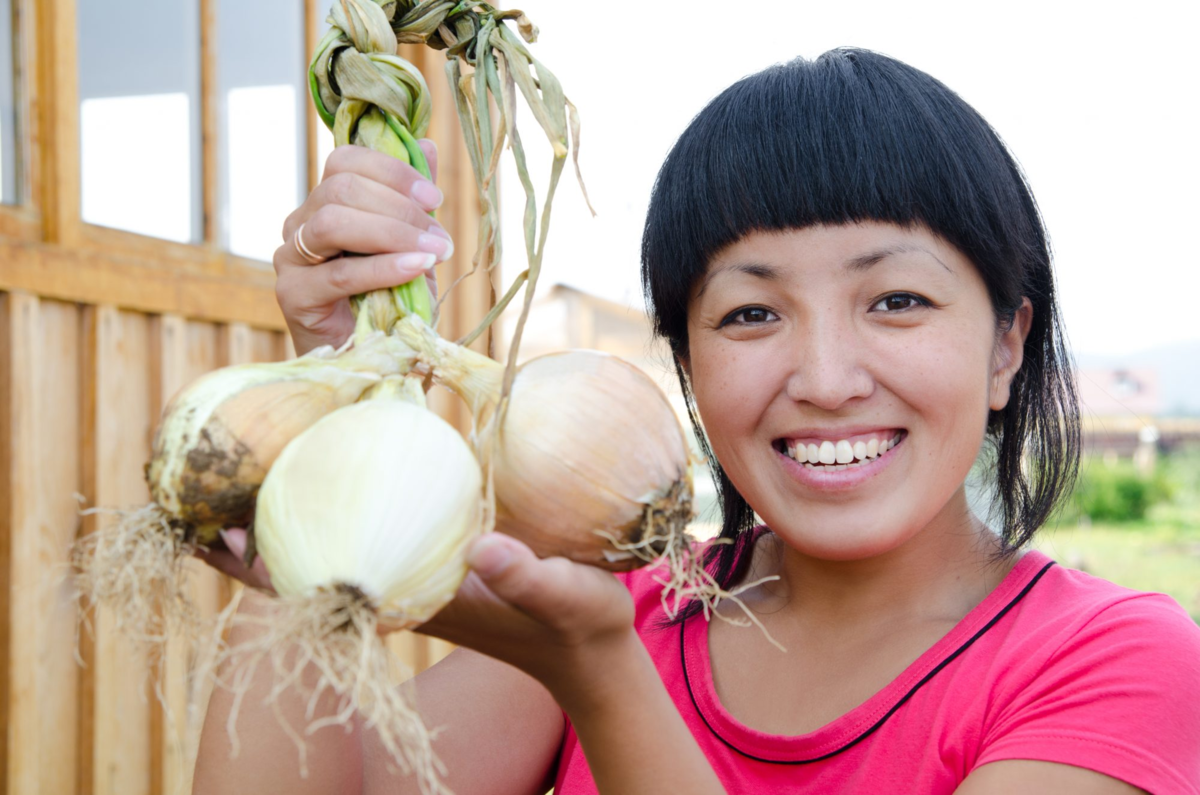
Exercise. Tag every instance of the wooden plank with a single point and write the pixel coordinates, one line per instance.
(40, 518)
(146, 285)
(236, 344)
(6, 456)
(265, 346)
(20, 223)
(313, 30)
(21, 404)
(56, 116)
(25, 58)
(170, 771)
(208, 587)
(117, 428)
(57, 483)
(209, 103)
(411, 648)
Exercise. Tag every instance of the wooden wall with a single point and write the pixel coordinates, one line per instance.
(98, 328)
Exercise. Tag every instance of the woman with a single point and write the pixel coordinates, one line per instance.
(854, 279)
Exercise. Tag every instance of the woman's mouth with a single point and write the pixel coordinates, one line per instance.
(835, 455)
(821, 458)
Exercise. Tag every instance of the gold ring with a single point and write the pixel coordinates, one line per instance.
(304, 251)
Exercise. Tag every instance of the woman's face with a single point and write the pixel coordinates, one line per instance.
(844, 376)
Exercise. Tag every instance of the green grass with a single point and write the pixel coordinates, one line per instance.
(1159, 554)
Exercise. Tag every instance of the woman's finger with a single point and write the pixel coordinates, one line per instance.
(231, 561)
(360, 193)
(554, 592)
(431, 155)
(397, 175)
(334, 229)
(331, 282)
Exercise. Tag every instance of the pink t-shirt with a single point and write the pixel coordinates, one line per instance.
(1054, 665)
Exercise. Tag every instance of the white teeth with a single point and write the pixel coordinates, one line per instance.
(826, 455)
(843, 452)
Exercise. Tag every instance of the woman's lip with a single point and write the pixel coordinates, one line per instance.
(828, 479)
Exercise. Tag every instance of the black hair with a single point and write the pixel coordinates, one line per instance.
(857, 136)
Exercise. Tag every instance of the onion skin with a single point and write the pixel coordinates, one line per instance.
(590, 460)
(381, 498)
(590, 452)
(220, 435)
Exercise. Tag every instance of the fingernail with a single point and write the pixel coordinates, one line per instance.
(438, 229)
(489, 556)
(411, 264)
(236, 544)
(435, 244)
(426, 194)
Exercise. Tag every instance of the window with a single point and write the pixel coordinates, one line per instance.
(139, 116)
(263, 102)
(9, 184)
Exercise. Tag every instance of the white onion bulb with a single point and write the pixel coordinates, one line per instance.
(380, 498)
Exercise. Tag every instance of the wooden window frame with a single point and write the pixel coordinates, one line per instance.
(45, 245)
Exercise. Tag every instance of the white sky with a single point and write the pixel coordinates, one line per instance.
(1096, 100)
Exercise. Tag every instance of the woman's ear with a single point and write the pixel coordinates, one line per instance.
(1008, 355)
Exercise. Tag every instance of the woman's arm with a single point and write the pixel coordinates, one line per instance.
(571, 627)
(1040, 778)
(267, 759)
(500, 735)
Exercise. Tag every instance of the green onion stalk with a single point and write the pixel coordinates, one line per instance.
(368, 95)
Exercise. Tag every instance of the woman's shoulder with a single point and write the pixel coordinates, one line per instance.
(1089, 673)
(1084, 605)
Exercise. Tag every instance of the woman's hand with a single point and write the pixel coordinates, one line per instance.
(570, 626)
(231, 560)
(553, 619)
(367, 203)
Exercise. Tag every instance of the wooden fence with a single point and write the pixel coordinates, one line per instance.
(98, 328)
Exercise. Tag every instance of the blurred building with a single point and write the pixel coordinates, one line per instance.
(564, 317)
(1124, 414)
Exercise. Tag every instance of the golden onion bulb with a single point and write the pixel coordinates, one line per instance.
(590, 461)
(220, 435)
(590, 452)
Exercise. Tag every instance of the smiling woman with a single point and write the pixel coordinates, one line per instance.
(860, 303)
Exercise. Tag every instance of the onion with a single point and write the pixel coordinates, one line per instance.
(590, 461)
(214, 446)
(380, 498)
(364, 521)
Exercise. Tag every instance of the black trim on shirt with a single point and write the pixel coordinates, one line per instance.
(687, 679)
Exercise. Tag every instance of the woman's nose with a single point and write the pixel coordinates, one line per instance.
(829, 369)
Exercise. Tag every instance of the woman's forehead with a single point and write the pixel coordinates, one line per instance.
(849, 249)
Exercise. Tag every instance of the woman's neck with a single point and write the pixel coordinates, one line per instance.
(939, 575)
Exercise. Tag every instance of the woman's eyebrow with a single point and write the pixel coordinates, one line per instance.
(752, 268)
(864, 261)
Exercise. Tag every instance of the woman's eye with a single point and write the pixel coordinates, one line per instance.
(749, 316)
(898, 302)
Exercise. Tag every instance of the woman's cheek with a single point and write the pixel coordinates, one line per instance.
(728, 395)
